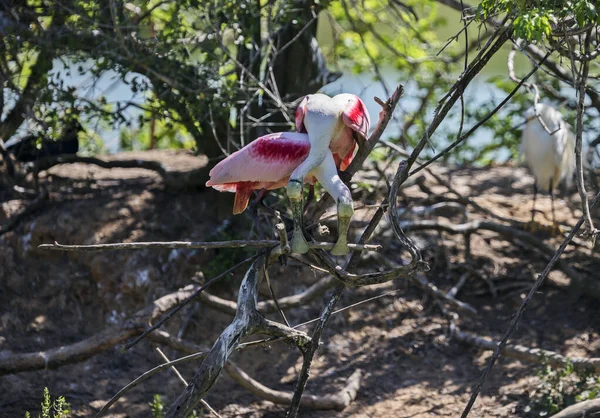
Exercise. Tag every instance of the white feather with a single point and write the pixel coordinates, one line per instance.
(550, 157)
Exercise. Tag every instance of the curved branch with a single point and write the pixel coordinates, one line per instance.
(102, 341)
(506, 231)
(530, 355)
(336, 401)
(268, 306)
(247, 321)
(583, 409)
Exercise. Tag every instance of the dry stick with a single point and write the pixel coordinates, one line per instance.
(463, 199)
(531, 355)
(268, 306)
(101, 341)
(432, 290)
(144, 377)
(517, 317)
(337, 401)
(583, 409)
(182, 380)
(186, 301)
(581, 87)
(504, 230)
(193, 245)
(247, 321)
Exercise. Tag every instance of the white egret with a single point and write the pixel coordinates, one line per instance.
(549, 150)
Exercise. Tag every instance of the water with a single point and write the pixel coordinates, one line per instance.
(115, 91)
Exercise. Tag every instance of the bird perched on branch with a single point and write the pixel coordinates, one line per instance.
(549, 149)
(324, 142)
(32, 148)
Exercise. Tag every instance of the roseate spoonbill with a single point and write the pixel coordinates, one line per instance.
(549, 155)
(325, 141)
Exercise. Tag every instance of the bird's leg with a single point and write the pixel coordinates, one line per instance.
(556, 230)
(327, 175)
(552, 203)
(318, 150)
(531, 226)
(294, 192)
(345, 212)
(535, 191)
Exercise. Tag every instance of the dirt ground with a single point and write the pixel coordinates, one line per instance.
(412, 366)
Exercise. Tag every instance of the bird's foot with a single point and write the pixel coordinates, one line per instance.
(340, 247)
(299, 244)
(345, 211)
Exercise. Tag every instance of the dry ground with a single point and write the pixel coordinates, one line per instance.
(413, 367)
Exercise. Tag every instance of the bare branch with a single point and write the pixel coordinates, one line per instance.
(530, 355)
(102, 341)
(145, 377)
(517, 317)
(247, 321)
(193, 244)
(299, 299)
(583, 409)
(335, 401)
(581, 84)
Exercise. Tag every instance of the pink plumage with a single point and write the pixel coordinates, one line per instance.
(265, 163)
(268, 162)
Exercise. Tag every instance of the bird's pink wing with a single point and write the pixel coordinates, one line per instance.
(356, 116)
(269, 158)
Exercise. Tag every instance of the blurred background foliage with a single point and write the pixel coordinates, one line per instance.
(213, 75)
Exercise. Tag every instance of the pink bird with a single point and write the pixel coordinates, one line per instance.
(323, 143)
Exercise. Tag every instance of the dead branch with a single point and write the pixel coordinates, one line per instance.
(190, 245)
(585, 409)
(432, 290)
(145, 376)
(530, 355)
(335, 401)
(268, 306)
(581, 83)
(247, 321)
(182, 380)
(509, 232)
(515, 320)
(97, 343)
